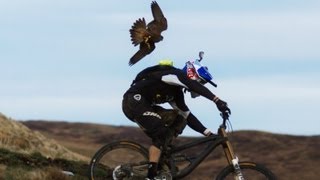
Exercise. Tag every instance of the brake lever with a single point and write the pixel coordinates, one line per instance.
(224, 115)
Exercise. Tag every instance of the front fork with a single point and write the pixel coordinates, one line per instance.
(231, 157)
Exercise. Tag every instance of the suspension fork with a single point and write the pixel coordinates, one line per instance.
(229, 153)
(227, 147)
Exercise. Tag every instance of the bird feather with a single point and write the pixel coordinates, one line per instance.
(138, 31)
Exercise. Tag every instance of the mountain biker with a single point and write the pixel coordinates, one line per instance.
(160, 84)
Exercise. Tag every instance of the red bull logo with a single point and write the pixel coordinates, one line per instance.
(191, 73)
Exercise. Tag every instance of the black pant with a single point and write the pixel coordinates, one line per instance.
(156, 121)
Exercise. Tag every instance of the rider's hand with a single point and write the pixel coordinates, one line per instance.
(222, 106)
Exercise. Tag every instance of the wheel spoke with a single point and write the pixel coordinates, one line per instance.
(118, 161)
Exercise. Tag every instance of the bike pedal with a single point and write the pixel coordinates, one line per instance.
(164, 176)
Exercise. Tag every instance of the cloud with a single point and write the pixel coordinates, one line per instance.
(250, 34)
(299, 87)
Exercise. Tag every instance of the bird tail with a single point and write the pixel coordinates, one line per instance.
(138, 31)
(144, 50)
(136, 57)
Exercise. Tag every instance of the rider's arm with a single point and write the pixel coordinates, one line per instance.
(178, 78)
(192, 121)
(196, 125)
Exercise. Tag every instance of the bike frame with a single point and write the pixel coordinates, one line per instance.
(172, 156)
(212, 141)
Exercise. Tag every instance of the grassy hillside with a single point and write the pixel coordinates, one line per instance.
(17, 137)
(27, 154)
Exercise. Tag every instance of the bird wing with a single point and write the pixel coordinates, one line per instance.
(138, 31)
(158, 16)
(144, 50)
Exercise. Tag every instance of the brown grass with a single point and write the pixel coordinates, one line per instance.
(17, 137)
(49, 173)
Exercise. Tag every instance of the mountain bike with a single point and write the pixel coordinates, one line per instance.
(128, 160)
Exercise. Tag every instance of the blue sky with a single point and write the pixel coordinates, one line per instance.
(68, 60)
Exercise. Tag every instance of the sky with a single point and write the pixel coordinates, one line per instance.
(68, 60)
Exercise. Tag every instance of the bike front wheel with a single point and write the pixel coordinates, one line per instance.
(249, 170)
(120, 160)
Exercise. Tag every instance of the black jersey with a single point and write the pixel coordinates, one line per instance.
(161, 84)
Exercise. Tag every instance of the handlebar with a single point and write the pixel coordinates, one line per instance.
(225, 117)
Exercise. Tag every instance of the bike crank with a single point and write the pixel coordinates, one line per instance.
(164, 176)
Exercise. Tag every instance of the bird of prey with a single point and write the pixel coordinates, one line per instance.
(146, 35)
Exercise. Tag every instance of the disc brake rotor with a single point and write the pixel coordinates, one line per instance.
(121, 173)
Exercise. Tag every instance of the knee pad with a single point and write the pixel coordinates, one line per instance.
(168, 115)
(178, 125)
(162, 137)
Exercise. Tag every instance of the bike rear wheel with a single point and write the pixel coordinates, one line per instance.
(121, 160)
(249, 170)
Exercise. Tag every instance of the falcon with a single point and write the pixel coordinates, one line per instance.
(146, 35)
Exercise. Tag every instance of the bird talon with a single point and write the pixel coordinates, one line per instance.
(146, 40)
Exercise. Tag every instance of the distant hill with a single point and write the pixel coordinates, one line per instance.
(289, 157)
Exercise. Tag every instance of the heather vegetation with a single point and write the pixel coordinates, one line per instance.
(37, 150)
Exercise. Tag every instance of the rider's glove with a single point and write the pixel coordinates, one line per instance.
(222, 106)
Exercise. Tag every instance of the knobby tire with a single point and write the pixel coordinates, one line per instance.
(250, 170)
(108, 157)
